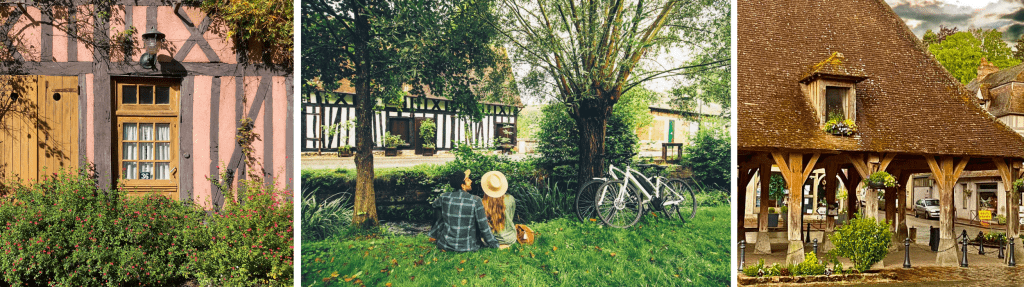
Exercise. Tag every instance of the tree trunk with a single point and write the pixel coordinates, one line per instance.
(591, 121)
(365, 214)
(365, 209)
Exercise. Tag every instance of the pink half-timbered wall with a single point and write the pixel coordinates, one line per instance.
(218, 87)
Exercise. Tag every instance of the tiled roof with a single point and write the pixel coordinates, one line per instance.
(908, 104)
(1003, 101)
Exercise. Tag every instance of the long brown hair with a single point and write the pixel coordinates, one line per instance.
(495, 209)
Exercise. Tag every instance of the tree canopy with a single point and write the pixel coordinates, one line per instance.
(961, 52)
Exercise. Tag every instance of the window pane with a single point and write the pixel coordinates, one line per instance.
(834, 102)
(163, 170)
(163, 95)
(128, 94)
(163, 151)
(146, 170)
(145, 94)
(129, 151)
(128, 170)
(163, 132)
(146, 151)
(146, 132)
(130, 132)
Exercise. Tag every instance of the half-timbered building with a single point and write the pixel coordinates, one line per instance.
(76, 93)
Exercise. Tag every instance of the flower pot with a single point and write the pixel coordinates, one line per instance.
(773, 220)
(876, 184)
(428, 152)
(391, 151)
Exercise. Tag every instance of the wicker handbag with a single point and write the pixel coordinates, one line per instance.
(525, 235)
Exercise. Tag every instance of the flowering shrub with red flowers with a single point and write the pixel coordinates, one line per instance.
(250, 239)
(64, 231)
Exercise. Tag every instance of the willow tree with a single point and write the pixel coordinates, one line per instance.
(382, 46)
(588, 53)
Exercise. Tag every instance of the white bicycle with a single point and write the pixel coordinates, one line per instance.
(621, 202)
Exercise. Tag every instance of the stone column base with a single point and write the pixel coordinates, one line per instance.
(826, 243)
(949, 254)
(763, 244)
(795, 252)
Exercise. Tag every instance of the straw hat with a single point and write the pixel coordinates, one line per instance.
(494, 184)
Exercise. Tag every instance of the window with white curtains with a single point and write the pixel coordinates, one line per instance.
(147, 121)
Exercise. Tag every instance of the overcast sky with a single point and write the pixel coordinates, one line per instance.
(1006, 16)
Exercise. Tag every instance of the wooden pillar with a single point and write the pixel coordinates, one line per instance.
(831, 183)
(852, 201)
(890, 200)
(746, 174)
(865, 166)
(1009, 171)
(901, 202)
(795, 171)
(946, 171)
(763, 244)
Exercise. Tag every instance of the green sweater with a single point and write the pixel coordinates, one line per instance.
(507, 236)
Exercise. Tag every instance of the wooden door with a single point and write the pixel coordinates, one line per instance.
(38, 125)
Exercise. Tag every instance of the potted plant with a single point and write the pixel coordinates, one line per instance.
(880, 180)
(1018, 184)
(503, 143)
(773, 218)
(344, 149)
(428, 129)
(391, 143)
(840, 126)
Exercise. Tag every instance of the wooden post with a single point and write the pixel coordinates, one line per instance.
(865, 166)
(946, 171)
(763, 244)
(890, 200)
(901, 203)
(795, 171)
(1009, 171)
(746, 174)
(831, 183)
(852, 202)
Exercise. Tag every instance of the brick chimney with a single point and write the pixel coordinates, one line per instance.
(985, 68)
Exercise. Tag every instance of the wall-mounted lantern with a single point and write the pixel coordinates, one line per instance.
(152, 40)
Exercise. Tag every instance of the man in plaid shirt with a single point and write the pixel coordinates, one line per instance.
(461, 222)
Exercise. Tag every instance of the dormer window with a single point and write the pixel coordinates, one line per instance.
(831, 88)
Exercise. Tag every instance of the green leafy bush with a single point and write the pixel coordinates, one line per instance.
(810, 266)
(777, 188)
(250, 239)
(64, 231)
(710, 155)
(864, 241)
(549, 201)
(428, 131)
(881, 178)
(754, 270)
(1001, 219)
(323, 218)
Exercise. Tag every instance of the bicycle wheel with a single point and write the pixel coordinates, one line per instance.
(617, 206)
(679, 199)
(585, 198)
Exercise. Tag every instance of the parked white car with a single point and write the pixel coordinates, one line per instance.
(929, 207)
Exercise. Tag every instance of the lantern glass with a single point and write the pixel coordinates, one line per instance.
(152, 45)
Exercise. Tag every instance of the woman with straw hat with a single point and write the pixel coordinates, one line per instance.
(499, 207)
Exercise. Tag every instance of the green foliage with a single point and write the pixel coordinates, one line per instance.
(754, 270)
(339, 129)
(64, 231)
(538, 204)
(776, 188)
(784, 209)
(567, 252)
(268, 22)
(1018, 184)
(250, 239)
(961, 53)
(864, 241)
(428, 131)
(392, 141)
(881, 178)
(1001, 219)
(810, 267)
(710, 155)
(558, 140)
(324, 218)
(929, 38)
(1018, 48)
(529, 122)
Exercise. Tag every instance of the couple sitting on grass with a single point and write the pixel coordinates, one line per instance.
(467, 223)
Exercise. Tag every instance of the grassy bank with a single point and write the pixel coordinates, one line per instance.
(655, 252)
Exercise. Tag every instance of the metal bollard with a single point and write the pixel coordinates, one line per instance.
(743, 253)
(807, 234)
(1012, 262)
(1001, 256)
(906, 255)
(815, 246)
(963, 261)
(981, 245)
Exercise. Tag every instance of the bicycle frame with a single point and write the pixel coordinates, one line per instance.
(632, 180)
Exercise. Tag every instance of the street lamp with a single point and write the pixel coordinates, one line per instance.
(152, 40)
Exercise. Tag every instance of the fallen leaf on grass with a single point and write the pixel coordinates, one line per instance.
(417, 263)
(554, 248)
(464, 281)
(485, 261)
(335, 274)
(387, 284)
(613, 254)
(385, 270)
(482, 275)
(463, 261)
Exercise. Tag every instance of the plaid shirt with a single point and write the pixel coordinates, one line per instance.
(461, 223)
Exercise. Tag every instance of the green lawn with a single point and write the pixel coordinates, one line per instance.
(654, 252)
